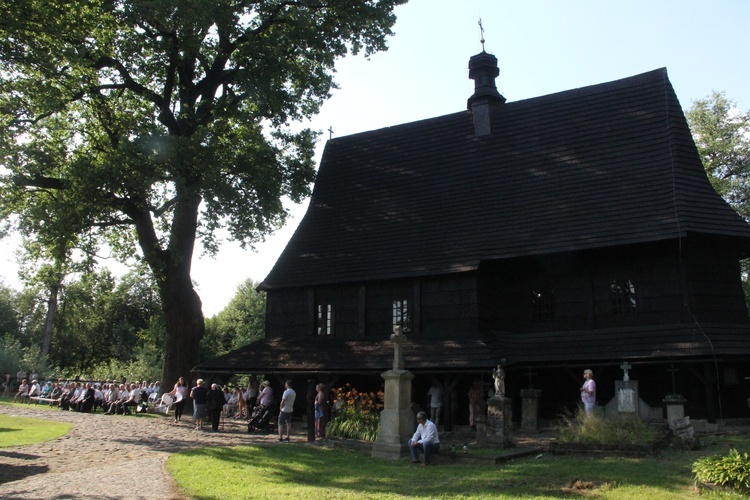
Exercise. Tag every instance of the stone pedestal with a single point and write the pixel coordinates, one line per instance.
(499, 421)
(530, 408)
(675, 404)
(626, 393)
(396, 419)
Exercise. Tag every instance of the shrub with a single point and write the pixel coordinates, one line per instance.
(581, 428)
(356, 414)
(731, 470)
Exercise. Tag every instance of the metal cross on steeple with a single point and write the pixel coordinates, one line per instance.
(330, 133)
(481, 34)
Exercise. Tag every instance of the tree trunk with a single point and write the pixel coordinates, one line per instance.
(181, 306)
(183, 317)
(49, 321)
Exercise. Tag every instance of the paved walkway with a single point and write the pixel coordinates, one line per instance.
(105, 456)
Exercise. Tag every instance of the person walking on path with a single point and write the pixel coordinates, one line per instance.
(179, 405)
(215, 403)
(199, 393)
(285, 415)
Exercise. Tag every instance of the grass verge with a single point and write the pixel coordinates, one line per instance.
(299, 471)
(19, 431)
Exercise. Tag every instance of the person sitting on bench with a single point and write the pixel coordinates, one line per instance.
(23, 391)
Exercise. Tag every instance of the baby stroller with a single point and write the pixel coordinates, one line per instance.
(263, 418)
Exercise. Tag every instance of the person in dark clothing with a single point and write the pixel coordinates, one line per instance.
(86, 403)
(215, 403)
(198, 393)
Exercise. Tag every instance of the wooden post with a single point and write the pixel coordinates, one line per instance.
(311, 393)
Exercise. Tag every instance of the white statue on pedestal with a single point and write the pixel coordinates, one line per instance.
(499, 375)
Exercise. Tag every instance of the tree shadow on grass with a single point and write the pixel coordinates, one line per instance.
(357, 472)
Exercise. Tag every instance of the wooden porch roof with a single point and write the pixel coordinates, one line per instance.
(479, 353)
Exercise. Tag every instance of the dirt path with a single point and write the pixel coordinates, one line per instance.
(105, 456)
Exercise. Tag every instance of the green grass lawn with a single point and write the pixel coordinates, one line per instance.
(299, 471)
(18, 431)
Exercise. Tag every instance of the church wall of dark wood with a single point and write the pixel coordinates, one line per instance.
(379, 306)
(715, 290)
(449, 305)
(344, 301)
(288, 313)
(609, 288)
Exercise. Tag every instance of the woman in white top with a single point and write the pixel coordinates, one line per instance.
(180, 388)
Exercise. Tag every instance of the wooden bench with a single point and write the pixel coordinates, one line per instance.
(45, 400)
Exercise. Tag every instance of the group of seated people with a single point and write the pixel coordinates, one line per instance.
(120, 398)
(111, 396)
(240, 402)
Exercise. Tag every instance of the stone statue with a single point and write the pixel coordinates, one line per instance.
(499, 375)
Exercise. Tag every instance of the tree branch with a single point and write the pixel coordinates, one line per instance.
(39, 181)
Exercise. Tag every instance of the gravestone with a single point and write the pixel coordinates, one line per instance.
(626, 392)
(530, 408)
(675, 405)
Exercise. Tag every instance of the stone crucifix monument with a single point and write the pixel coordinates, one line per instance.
(396, 419)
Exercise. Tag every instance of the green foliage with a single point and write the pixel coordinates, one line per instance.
(240, 323)
(20, 431)
(33, 361)
(731, 470)
(145, 365)
(356, 414)
(150, 125)
(581, 428)
(722, 134)
(8, 311)
(100, 321)
(10, 354)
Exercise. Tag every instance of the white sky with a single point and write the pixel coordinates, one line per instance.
(543, 46)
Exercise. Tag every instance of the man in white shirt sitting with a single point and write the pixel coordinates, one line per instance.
(133, 400)
(425, 440)
(36, 390)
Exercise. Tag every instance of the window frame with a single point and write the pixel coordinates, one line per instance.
(401, 315)
(324, 319)
(623, 301)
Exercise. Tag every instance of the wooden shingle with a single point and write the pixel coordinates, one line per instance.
(601, 166)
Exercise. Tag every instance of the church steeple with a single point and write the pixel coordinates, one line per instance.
(483, 70)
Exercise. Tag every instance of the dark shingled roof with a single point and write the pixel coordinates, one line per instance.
(329, 354)
(480, 353)
(611, 164)
(656, 342)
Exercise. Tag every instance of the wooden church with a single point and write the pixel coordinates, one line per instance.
(569, 231)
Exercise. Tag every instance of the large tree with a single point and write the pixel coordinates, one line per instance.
(722, 134)
(153, 123)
